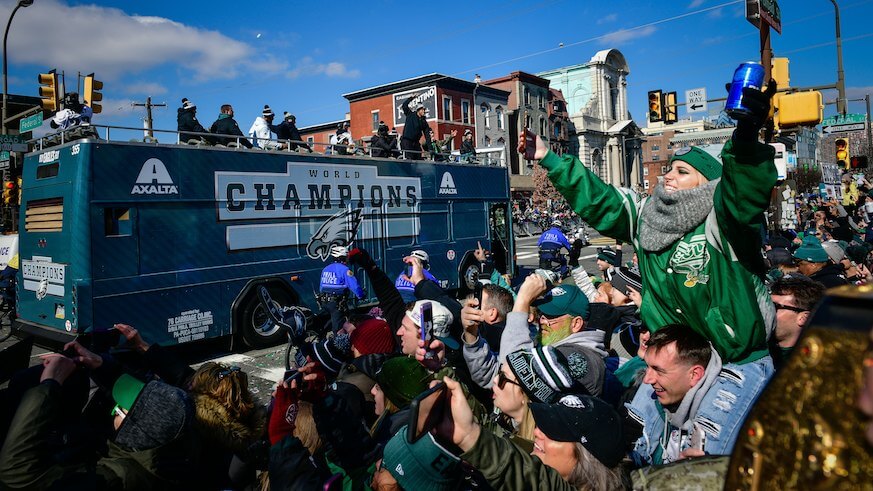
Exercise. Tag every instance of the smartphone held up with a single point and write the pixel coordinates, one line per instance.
(530, 144)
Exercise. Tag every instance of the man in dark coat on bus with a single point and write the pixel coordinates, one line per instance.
(415, 127)
(226, 125)
(186, 118)
(287, 131)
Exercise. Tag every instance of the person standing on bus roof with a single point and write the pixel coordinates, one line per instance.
(186, 120)
(337, 280)
(261, 130)
(406, 287)
(413, 129)
(225, 125)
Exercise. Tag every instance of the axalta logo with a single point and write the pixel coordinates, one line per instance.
(154, 179)
(447, 184)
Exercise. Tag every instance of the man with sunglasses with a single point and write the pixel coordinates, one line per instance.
(794, 296)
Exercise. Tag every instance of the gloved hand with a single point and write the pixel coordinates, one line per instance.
(284, 415)
(575, 251)
(758, 103)
(361, 258)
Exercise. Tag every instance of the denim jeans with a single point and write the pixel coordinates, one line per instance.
(721, 413)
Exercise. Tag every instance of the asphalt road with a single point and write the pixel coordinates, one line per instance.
(265, 367)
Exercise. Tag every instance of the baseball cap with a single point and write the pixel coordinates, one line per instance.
(423, 465)
(564, 299)
(586, 420)
(442, 319)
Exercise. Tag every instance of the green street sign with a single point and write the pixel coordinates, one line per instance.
(4, 156)
(847, 119)
(30, 123)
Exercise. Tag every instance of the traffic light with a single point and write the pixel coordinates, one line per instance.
(656, 106)
(49, 91)
(798, 109)
(10, 193)
(779, 73)
(859, 162)
(92, 96)
(671, 111)
(842, 152)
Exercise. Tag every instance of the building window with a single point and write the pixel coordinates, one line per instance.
(541, 101)
(646, 184)
(655, 156)
(486, 114)
(543, 126)
(557, 130)
(646, 170)
(526, 97)
(375, 120)
(310, 139)
(447, 108)
(465, 111)
(499, 112)
(487, 141)
(663, 169)
(527, 121)
(655, 147)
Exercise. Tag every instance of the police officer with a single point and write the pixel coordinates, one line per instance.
(550, 244)
(406, 287)
(336, 281)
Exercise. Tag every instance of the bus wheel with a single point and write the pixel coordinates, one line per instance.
(468, 273)
(258, 330)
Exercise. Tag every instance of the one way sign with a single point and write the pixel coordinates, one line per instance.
(695, 100)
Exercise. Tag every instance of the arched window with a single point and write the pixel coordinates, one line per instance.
(487, 141)
(486, 114)
(499, 112)
(542, 126)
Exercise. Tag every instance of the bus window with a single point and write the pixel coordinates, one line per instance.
(48, 170)
(433, 223)
(469, 220)
(116, 222)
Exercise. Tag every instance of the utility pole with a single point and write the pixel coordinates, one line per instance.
(148, 105)
(841, 78)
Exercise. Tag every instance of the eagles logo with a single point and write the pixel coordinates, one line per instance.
(338, 230)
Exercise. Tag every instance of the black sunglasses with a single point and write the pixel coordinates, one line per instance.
(502, 380)
(227, 371)
(792, 308)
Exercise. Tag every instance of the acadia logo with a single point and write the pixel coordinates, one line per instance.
(154, 179)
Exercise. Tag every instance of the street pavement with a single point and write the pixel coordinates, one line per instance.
(265, 367)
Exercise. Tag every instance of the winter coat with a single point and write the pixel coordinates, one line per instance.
(415, 127)
(831, 275)
(261, 134)
(711, 278)
(186, 120)
(383, 146)
(287, 131)
(222, 436)
(507, 466)
(24, 463)
(468, 148)
(226, 125)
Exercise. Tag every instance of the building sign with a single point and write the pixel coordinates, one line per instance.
(766, 10)
(423, 95)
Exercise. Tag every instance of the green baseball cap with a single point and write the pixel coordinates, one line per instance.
(564, 299)
(126, 390)
(423, 465)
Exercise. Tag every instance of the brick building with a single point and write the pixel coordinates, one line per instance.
(451, 103)
(657, 150)
(318, 135)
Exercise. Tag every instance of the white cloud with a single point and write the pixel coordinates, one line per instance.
(715, 14)
(626, 35)
(695, 3)
(112, 43)
(307, 66)
(607, 18)
(145, 88)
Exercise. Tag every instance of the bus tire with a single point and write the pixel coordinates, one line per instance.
(255, 326)
(468, 273)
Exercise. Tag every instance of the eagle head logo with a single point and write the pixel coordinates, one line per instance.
(338, 230)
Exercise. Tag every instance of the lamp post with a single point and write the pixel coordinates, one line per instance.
(841, 79)
(21, 3)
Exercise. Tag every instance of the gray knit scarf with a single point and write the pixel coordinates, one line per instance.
(667, 217)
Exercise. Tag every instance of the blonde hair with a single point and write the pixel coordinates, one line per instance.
(304, 428)
(526, 425)
(589, 474)
(230, 387)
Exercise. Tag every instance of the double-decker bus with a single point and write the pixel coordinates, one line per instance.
(174, 239)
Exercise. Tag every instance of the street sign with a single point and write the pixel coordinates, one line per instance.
(12, 143)
(848, 118)
(766, 10)
(843, 127)
(4, 156)
(30, 123)
(695, 100)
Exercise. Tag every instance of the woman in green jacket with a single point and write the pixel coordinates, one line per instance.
(698, 246)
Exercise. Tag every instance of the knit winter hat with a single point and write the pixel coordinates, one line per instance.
(625, 277)
(586, 420)
(423, 465)
(609, 256)
(856, 253)
(267, 111)
(564, 299)
(570, 368)
(159, 415)
(332, 353)
(372, 336)
(701, 160)
(289, 116)
(811, 250)
(188, 105)
(835, 252)
(401, 379)
(522, 366)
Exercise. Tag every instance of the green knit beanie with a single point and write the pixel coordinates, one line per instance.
(701, 160)
(401, 379)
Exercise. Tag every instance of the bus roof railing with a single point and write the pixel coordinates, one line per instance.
(494, 157)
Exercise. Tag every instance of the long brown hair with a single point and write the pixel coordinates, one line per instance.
(227, 385)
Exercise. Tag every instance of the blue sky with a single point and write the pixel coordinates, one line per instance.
(301, 56)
